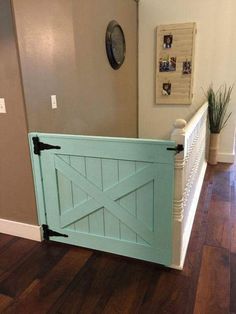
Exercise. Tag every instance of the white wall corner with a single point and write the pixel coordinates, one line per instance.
(19, 229)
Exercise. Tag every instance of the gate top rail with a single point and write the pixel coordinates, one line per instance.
(102, 138)
(149, 150)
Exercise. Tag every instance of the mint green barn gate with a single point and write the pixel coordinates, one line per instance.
(108, 194)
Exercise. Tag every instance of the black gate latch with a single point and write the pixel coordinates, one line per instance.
(179, 148)
(47, 233)
(38, 146)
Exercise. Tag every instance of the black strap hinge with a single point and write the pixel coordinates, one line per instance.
(38, 146)
(179, 148)
(47, 233)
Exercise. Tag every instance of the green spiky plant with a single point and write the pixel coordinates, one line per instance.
(217, 107)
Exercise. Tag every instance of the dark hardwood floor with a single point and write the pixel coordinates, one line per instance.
(54, 278)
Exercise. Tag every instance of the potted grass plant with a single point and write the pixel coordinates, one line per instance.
(218, 117)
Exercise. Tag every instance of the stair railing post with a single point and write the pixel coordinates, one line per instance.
(178, 135)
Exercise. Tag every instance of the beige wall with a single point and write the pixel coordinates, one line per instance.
(215, 60)
(16, 185)
(62, 52)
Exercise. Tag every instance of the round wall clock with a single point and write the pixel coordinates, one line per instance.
(115, 45)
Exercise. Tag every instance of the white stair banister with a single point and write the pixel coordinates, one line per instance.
(190, 166)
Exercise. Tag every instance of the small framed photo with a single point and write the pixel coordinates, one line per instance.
(172, 64)
(166, 89)
(167, 41)
(164, 65)
(167, 64)
(187, 67)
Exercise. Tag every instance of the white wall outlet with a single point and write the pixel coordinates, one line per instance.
(54, 101)
(2, 106)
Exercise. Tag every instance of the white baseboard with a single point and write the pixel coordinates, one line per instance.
(189, 224)
(20, 229)
(226, 157)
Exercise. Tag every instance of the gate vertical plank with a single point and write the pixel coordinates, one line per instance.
(51, 192)
(94, 175)
(65, 191)
(140, 196)
(110, 177)
(145, 201)
(127, 168)
(79, 195)
(38, 184)
(145, 210)
(163, 190)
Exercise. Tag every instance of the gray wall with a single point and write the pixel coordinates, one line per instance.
(62, 52)
(16, 184)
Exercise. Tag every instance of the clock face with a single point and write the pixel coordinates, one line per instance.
(115, 45)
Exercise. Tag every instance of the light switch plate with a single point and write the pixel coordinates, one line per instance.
(2, 106)
(54, 101)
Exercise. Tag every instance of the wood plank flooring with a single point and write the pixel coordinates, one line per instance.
(50, 277)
